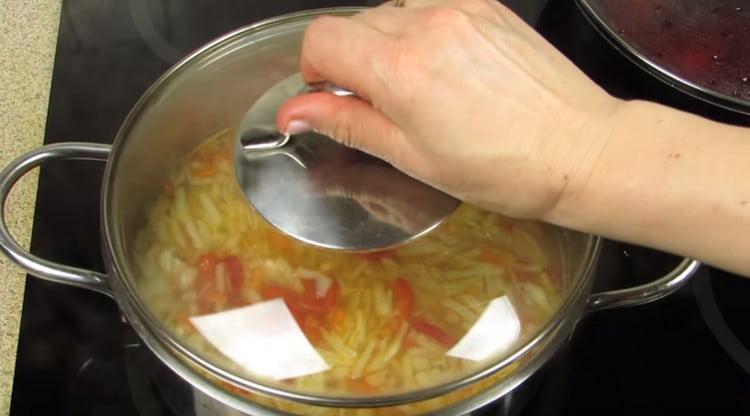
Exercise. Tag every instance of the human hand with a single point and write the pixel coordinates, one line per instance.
(460, 94)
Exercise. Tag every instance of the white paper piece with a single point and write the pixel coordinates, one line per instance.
(264, 339)
(493, 333)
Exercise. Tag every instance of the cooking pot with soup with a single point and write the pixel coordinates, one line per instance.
(699, 47)
(265, 324)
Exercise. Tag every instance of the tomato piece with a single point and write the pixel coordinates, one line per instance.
(236, 275)
(311, 288)
(312, 305)
(299, 313)
(311, 328)
(272, 292)
(433, 331)
(291, 299)
(206, 275)
(207, 263)
(332, 296)
(309, 299)
(404, 296)
(308, 304)
(526, 276)
(235, 272)
(297, 304)
(207, 294)
(207, 300)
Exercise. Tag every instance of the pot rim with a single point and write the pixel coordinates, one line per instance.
(151, 329)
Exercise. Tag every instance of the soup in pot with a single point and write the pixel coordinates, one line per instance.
(379, 323)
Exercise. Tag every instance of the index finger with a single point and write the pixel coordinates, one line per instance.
(340, 50)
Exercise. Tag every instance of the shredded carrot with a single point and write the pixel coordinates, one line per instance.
(168, 189)
(205, 171)
(337, 319)
(391, 327)
(256, 278)
(278, 241)
(433, 331)
(404, 297)
(378, 255)
(553, 271)
(474, 290)
(410, 342)
(363, 387)
(224, 153)
(385, 331)
(394, 325)
(494, 256)
(184, 319)
(506, 226)
(234, 389)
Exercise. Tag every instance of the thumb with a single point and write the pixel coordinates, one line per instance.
(348, 120)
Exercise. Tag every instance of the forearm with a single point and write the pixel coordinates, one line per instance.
(668, 180)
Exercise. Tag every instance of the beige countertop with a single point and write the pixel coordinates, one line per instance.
(28, 35)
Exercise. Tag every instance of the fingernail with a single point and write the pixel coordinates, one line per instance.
(297, 127)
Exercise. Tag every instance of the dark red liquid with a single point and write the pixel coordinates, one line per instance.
(703, 41)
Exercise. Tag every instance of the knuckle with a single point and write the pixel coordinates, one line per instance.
(316, 30)
(442, 18)
(486, 8)
(322, 22)
(402, 67)
(395, 59)
(475, 4)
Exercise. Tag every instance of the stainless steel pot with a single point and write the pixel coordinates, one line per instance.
(206, 91)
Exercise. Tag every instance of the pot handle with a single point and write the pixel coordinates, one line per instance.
(34, 265)
(649, 292)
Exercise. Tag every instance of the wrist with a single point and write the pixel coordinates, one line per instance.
(588, 140)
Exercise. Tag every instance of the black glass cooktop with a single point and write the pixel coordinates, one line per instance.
(76, 356)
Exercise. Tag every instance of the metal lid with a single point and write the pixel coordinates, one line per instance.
(326, 194)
